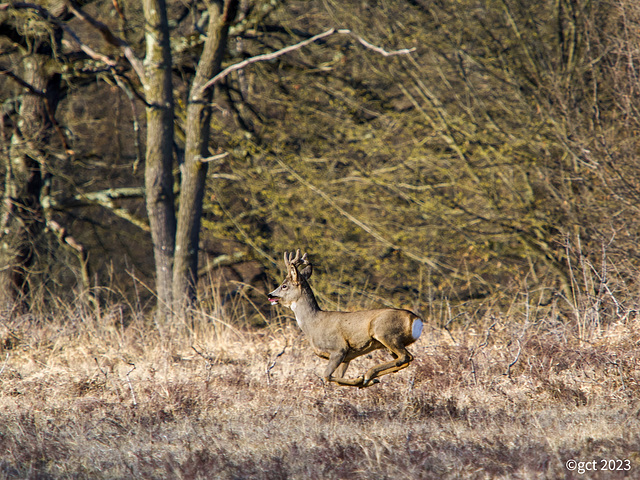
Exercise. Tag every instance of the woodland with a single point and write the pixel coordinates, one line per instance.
(494, 154)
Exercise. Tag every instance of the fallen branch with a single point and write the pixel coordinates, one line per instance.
(214, 158)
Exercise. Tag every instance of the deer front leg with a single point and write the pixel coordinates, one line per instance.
(342, 369)
(336, 365)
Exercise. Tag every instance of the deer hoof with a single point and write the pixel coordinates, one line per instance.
(369, 383)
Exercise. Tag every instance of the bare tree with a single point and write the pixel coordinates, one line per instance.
(22, 220)
(158, 90)
(194, 169)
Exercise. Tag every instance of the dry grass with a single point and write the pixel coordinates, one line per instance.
(84, 396)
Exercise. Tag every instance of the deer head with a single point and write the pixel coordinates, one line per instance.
(295, 283)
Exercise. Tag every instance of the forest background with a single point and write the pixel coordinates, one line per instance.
(497, 157)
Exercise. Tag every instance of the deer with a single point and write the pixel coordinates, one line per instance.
(342, 336)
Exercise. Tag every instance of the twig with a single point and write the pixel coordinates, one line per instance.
(297, 46)
(207, 358)
(475, 350)
(213, 158)
(273, 364)
(100, 368)
(516, 359)
(6, 360)
(265, 57)
(381, 51)
(619, 367)
(106, 376)
(107, 34)
(624, 387)
(20, 81)
(446, 326)
(486, 338)
(222, 322)
(133, 395)
(131, 92)
(209, 361)
(44, 13)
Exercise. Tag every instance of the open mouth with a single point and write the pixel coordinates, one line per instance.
(273, 300)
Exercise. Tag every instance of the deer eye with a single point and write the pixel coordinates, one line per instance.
(284, 287)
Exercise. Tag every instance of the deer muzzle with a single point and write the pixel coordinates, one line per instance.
(272, 298)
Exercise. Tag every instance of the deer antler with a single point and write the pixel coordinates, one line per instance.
(290, 260)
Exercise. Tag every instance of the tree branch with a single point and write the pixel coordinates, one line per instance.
(297, 46)
(105, 198)
(223, 261)
(22, 83)
(68, 240)
(380, 50)
(107, 34)
(45, 14)
(110, 37)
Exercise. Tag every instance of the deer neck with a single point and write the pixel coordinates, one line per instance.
(306, 307)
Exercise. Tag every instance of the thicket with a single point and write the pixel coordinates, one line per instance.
(499, 157)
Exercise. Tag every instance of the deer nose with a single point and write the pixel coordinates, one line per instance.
(272, 298)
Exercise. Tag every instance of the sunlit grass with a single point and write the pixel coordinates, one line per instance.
(111, 394)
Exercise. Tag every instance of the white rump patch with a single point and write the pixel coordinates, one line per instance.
(416, 329)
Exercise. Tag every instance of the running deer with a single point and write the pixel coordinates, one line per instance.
(342, 336)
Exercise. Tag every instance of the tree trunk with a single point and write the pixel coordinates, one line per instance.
(158, 175)
(22, 221)
(197, 147)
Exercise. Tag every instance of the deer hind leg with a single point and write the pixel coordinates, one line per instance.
(338, 367)
(402, 359)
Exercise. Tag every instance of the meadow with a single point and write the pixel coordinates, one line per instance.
(101, 393)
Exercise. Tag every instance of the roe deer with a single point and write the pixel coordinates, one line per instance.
(342, 336)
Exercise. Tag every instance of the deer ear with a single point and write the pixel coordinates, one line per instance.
(306, 272)
(293, 273)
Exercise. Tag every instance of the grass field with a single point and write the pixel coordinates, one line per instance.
(495, 396)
